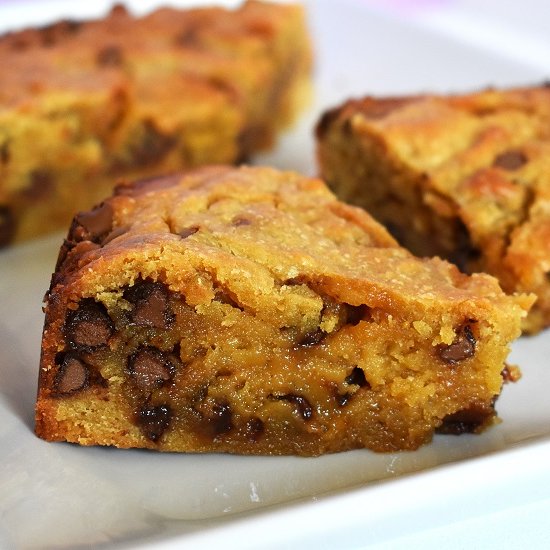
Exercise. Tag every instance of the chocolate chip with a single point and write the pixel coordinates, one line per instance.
(7, 225)
(467, 420)
(238, 221)
(92, 225)
(71, 376)
(48, 35)
(312, 338)
(254, 429)
(110, 56)
(463, 347)
(89, 327)
(70, 26)
(398, 232)
(154, 420)
(301, 404)
(40, 184)
(356, 314)
(217, 416)
(221, 84)
(51, 34)
(248, 140)
(510, 160)
(151, 146)
(20, 44)
(188, 231)
(465, 254)
(357, 377)
(151, 305)
(188, 38)
(343, 399)
(5, 153)
(222, 418)
(150, 368)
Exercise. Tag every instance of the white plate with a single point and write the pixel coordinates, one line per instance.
(60, 495)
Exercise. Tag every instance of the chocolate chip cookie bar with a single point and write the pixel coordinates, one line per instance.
(464, 177)
(85, 103)
(247, 310)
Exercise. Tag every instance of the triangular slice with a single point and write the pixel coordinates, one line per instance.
(466, 177)
(249, 311)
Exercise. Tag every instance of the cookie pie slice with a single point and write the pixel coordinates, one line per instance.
(84, 103)
(249, 311)
(464, 177)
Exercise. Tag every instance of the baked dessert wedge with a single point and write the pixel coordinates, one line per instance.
(249, 311)
(85, 103)
(464, 177)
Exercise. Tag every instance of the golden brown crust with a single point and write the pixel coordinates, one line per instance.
(247, 310)
(132, 97)
(464, 177)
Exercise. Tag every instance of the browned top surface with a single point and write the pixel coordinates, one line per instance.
(205, 43)
(275, 241)
(430, 131)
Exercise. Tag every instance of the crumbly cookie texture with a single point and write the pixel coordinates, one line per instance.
(464, 177)
(249, 311)
(85, 103)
